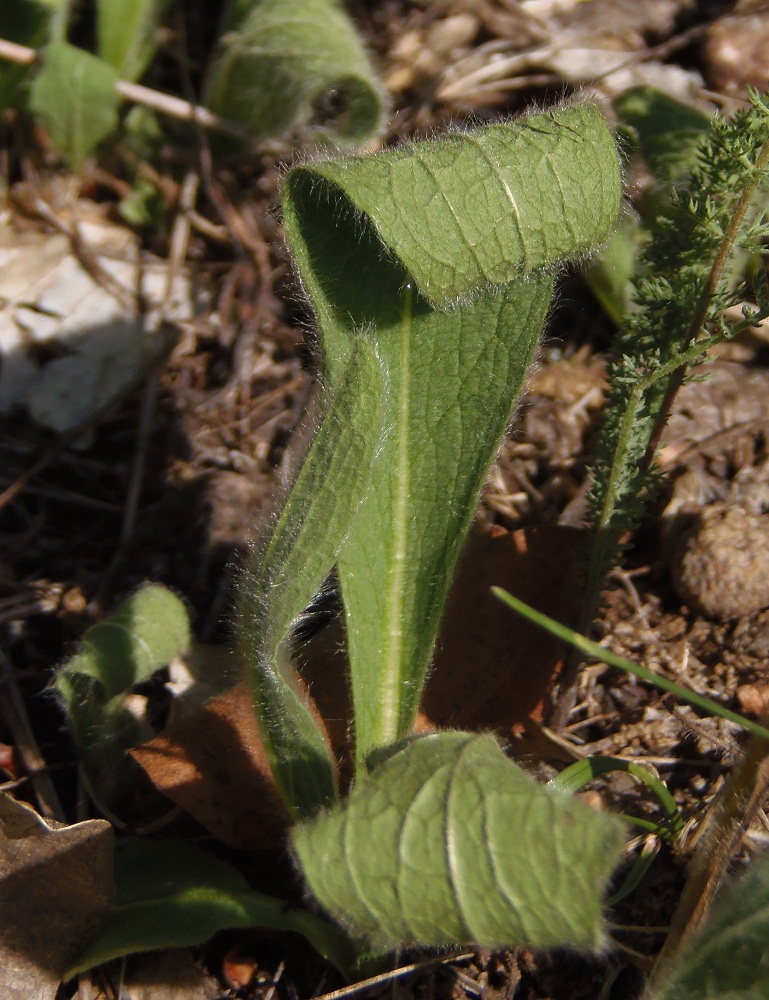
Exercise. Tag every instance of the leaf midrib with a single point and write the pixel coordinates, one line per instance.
(391, 677)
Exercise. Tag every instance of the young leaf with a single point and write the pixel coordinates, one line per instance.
(75, 99)
(446, 241)
(729, 959)
(283, 575)
(448, 841)
(287, 64)
(172, 895)
(142, 635)
(127, 34)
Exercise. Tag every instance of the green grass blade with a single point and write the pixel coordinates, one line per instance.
(620, 663)
(576, 775)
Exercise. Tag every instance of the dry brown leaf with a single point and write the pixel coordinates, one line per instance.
(492, 669)
(212, 763)
(55, 888)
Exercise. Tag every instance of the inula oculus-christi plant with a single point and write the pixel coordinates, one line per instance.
(430, 269)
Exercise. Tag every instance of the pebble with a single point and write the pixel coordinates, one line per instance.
(720, 566)
(736, 52)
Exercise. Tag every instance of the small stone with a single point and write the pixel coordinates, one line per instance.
(720, 566)
(754, 699)
(736, 52)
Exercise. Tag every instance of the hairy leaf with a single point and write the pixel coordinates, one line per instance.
(172, 895)
(437, 252)
(288, 64)
(448, 841)
(142, 635)
(285, 573)
(729, 959)
(74, 97)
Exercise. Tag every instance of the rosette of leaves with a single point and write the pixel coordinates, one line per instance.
(430, 269)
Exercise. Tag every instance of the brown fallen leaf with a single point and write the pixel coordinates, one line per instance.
(56, 884)
(212, 763)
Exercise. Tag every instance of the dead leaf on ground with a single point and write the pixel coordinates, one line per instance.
(213, 764)
(67, 343)
(492, 669)
(55, 888)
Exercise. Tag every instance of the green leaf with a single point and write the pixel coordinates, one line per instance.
(142, 635)
(172, 895)
(75, 99)
(668, 130)
(436, 251)
(448, 841)
(729, 959)
(285, 573)
(295, 64)
(609, 273)
(127, 34)
(26, 23)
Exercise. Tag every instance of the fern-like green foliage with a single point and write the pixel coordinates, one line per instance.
(681, 291)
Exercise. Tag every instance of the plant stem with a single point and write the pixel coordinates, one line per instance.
(165, 104)
(59, 22)
(711, 286)
(720, 838)
(694, 346)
